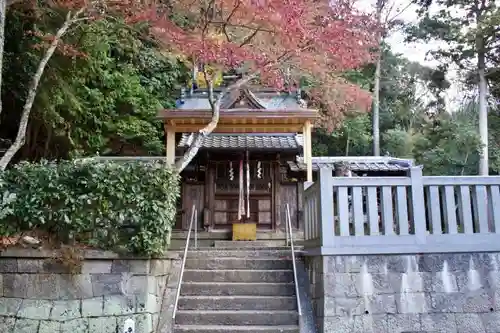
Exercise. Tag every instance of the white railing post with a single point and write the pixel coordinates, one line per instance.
(311, 218)
(418, 204)
(326, 215)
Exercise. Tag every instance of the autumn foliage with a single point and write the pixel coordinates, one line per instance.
(307, 38)
(316, 40)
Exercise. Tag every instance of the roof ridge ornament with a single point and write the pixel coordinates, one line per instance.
(182, 98)
(302, 103)
(249, 93)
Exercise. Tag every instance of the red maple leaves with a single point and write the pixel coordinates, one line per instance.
(317, 38)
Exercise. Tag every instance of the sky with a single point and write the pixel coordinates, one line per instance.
(416, 51)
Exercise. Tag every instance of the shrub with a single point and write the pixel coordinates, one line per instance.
(113, 206)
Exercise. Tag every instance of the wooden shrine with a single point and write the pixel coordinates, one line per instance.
(242, 172)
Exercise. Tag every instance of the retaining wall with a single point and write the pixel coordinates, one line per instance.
(429, 293)
(41, 294)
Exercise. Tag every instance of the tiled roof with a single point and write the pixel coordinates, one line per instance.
(356, 164)
(246, 141)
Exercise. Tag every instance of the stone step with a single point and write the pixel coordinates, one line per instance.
(245, 246)
(237, 318)
(247, 253)
(227, 235)
(237, 303)
(238, 263)
(275, 243)
(237, 275)
(237, 289)
(235, 329)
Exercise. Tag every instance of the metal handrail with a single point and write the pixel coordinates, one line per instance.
(179, 284)
(290, 231)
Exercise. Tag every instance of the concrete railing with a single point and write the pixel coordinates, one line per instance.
(414, 214)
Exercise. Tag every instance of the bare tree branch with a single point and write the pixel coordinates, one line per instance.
(398, 13)
(389, 11)
(224, 26)
(244, 26)
(249, 38)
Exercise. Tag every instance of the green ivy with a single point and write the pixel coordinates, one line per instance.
(124, 207)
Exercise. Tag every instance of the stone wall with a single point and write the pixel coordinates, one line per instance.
(38, 294)
(431, 293)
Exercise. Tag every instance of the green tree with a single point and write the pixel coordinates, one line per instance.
(386, 14)
(399, 142)
(448, 145)
(470, 29)
(101, 98)
(407, 92)
(352, 138)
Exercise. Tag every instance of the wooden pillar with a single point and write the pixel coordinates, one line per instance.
(308, 149)
(276, 198)
(305, 145)
(209, 194)
(170, 149)
(300, 205)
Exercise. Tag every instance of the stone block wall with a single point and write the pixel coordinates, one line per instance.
(38, 294)
(428, 293)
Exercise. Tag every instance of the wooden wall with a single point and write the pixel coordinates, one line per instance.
(193, 193)
(198, 189)
(288, 195)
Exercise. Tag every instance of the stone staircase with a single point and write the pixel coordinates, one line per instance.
(236, 288)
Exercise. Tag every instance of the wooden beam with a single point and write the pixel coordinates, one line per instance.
(308, 150)
(241, 129)
(170, 148)
(240, 113)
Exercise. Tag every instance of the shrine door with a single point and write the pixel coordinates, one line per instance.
(227, 189)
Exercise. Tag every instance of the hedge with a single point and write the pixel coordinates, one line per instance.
(125, 207)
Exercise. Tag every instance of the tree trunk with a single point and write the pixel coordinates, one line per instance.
(483, 112)
(482, 89)
(376, 109)
(23, 123)
(204, 132)
(376, 90)
(348, 141)
(3, 14)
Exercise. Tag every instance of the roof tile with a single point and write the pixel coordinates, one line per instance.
(356, 164)
(227, 141)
